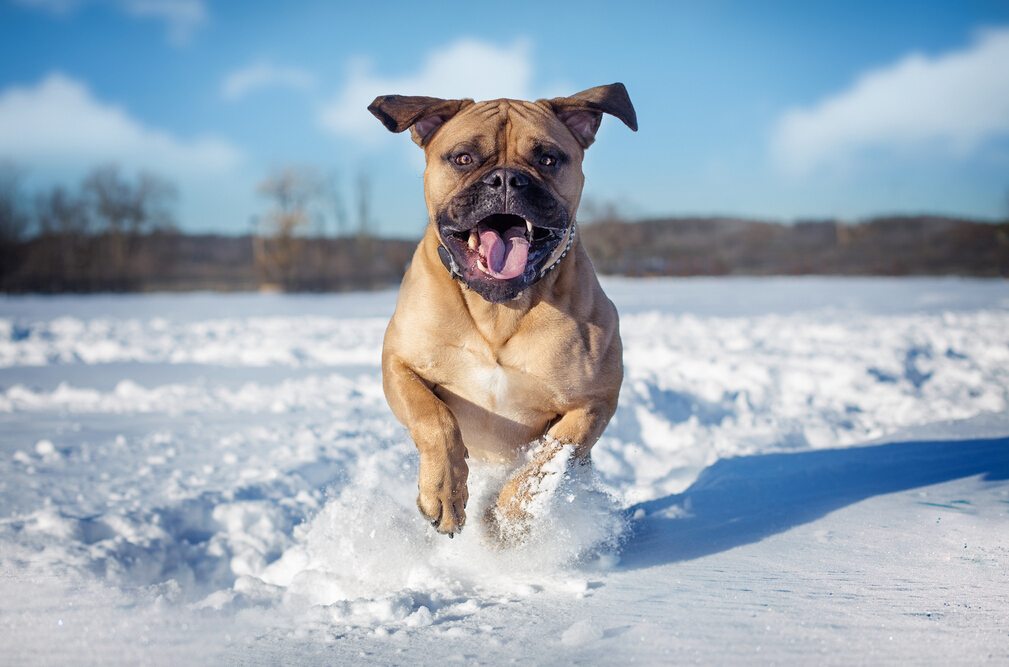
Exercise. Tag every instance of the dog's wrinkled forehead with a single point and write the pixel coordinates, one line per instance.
(497, 134)
(501, 134)
(508, 126)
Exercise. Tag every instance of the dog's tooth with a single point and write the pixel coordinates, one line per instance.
(529, 229)
(482, 266)
(474, 240)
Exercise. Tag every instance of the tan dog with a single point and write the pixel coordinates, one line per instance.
(502, 338)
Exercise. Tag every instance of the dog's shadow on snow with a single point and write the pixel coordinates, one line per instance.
(743, 500)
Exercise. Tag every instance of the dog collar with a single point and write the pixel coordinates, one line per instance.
(453, 267)
(571, 239)
(449, 261)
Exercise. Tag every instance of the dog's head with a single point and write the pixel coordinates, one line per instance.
(503, 178)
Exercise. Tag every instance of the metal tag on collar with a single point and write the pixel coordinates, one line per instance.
(449, 261)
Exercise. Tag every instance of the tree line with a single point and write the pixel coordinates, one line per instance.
(86, 239)
(116, 233)
(885, 246)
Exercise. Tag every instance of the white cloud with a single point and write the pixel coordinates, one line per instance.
(264, 75)
(467, 68)
(59, 132)
(58, 123)
(182, 17)
(952, 103)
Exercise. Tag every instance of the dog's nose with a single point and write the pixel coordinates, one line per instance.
(497, 178)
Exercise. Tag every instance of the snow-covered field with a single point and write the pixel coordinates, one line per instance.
(801, 471)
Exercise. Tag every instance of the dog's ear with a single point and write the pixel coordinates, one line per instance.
(421, 115)
(582, 111)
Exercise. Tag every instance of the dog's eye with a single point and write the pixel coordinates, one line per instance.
(463, 160)
(548, 161)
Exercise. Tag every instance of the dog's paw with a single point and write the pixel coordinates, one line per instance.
(506, 524)
(443, 494)
(527, 494)
(447, 516)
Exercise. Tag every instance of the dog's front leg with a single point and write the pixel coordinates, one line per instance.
(571, 437)
(435, 431)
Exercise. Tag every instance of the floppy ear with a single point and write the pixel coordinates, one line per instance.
(421, 115)
(582, 111)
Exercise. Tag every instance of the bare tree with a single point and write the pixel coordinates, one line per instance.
(367, 259)
(131, 208)
(13, 219)
(64, 252)
(363, 204)
(60, 212)
(334, 204)
(127, 210)
(155, 203)
(277, 241)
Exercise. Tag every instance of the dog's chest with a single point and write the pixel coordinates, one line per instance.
(500, 407)
(501, 385)
(493, 384)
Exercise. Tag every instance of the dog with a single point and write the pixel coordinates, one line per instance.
(503, 344)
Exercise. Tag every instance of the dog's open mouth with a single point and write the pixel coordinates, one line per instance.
(501, 244)
(504, 246)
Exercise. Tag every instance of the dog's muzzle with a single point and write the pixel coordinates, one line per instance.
(502, 234)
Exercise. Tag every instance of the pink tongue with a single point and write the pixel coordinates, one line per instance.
(505, 258)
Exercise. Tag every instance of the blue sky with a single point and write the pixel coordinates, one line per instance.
(775, 110)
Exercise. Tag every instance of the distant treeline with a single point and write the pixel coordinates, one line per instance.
(166, 261)
(121, 259)
(114, 233)
(893, 246)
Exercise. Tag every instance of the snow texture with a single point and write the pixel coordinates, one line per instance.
(800, 470)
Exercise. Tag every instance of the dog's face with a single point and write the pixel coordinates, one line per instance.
(502, 184)
(503, 178)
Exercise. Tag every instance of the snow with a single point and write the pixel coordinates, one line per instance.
(800, 470)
